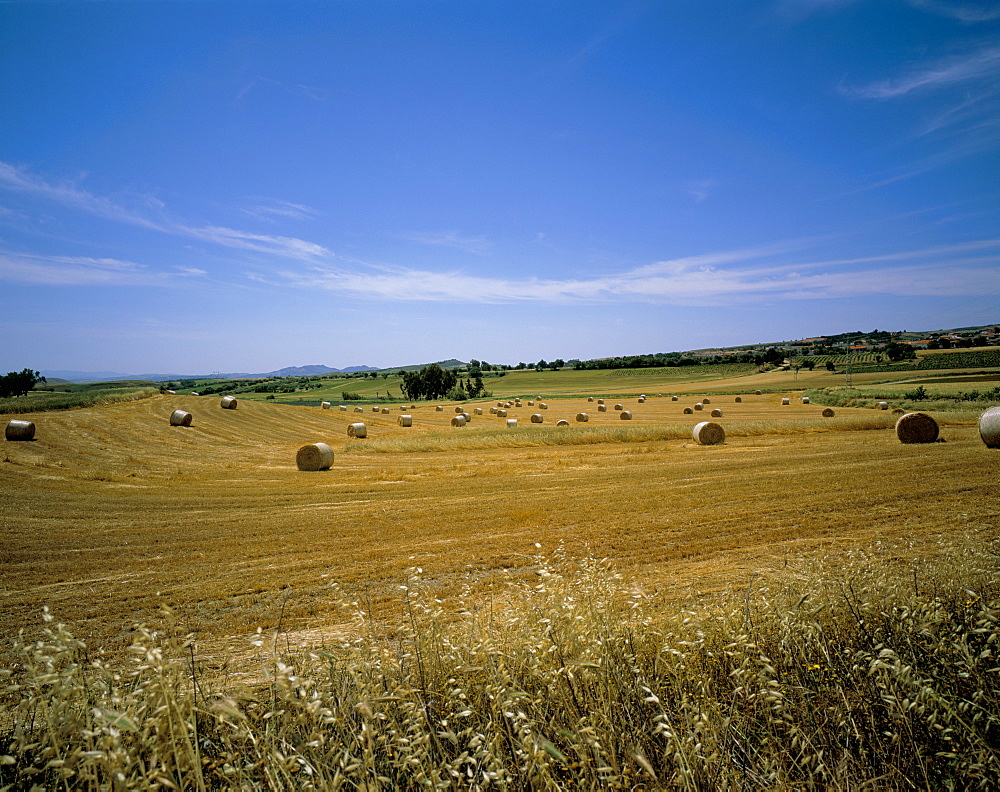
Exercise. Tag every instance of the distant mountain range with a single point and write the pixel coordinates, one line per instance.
(316, 370)
(289, 371)
(114, 376)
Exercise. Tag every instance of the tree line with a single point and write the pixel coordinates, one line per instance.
(434, 382)
(18, 383)
(672, 359)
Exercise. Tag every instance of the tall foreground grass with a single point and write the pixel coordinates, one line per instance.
(854, 673)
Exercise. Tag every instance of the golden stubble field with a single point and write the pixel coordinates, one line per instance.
(111, 513)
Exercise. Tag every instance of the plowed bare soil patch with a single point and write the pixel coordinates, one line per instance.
(111, 513)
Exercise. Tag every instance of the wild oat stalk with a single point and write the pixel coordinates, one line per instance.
(856, 672)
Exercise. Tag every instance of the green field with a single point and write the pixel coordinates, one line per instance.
(949, 377)
(71, 396)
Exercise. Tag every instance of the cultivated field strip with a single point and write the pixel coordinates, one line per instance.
(112, 513)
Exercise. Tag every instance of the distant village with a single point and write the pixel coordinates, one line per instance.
(875, 341)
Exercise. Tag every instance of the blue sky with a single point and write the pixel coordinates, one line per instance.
(239, 186)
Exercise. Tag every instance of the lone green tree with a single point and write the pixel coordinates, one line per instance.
(18, 383)
(431, 382)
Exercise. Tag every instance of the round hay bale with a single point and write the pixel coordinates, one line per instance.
(342, 407)
(673, 398)
(357, 430)
(493, 410)
(537, 418)
(517, 402)
(642, 395)
(228, 403)
(195, 393)
(757, 393)
(708, 433)
(180, 418)
(699, 406)
(405, 420)
(459, 410)
(315, 456)
(716, 413)
(898, 411)
(509, 404)
(805, 400)
(625, 415)
(582, 417)
(501, 413)
(375, 409)
(543, 406)
(439, 408)
(531, 403)
(600, 401)
(619, 406)
(688, 411)
(467, 417)
(882, 405)
(478, 411)
(602, 408)
(562, 422)
(738, 399)
(916, 427)
(706, 400)
(385, 411)
(590, 398)
(989, 427)
(324, 405)
(458, 420)
(785, 401)
(20, 430)
(828, 412)
(359, 409)
(512, 423)
(171, 393)
(642, 400)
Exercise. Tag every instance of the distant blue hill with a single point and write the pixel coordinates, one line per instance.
(114, 376)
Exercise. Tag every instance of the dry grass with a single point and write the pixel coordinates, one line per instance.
(111, 514)
(849, 673)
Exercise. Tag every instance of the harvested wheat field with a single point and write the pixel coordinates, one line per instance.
(111, 512)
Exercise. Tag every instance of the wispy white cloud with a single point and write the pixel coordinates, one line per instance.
(190, 272)
(70, 195)
(964, 12)
(773, 272)
(983, 64)
(315, 93)
(727, 277)
(960, 100)
(270, 210)
(74, 271)
(700, 190)
(477, 245)
(288, 247)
